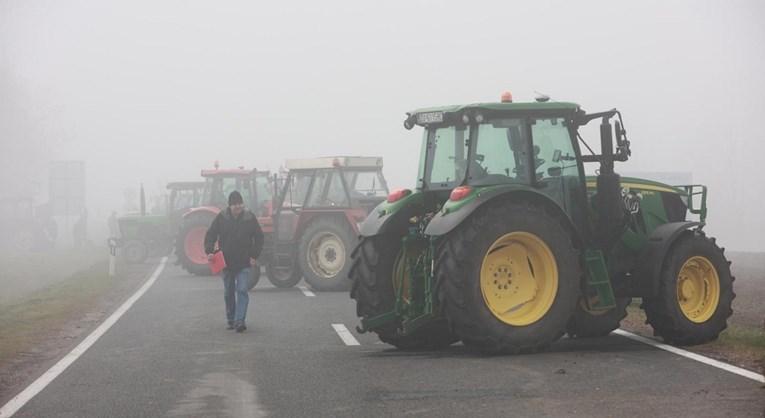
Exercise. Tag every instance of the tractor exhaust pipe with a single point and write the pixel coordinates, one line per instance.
(143, 201)
(609, 190)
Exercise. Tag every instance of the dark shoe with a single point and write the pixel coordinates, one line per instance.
(240, 326)
(230, 325)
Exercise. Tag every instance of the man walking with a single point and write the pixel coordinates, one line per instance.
(241, 240)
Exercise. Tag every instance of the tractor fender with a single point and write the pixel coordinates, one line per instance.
(444, 222)
(201, 209)
(385, 217)
(651, 255)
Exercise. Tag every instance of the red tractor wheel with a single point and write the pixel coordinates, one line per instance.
(189, 245)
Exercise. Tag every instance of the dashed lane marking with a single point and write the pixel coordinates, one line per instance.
(306, 291)
(344, 334)
(38, 385)
(706, 360)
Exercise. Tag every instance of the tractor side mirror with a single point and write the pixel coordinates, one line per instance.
(556, 156)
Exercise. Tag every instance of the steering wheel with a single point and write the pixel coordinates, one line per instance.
(477, 171)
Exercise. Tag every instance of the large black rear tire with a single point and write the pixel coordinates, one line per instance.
(189, 245)
(324, 252)
(254, 277)
(282, 277)
(695, 293)
(135, 251)
(372, 273)
(592, 324)
(508, 278)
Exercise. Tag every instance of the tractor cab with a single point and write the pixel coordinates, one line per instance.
(315, 222)
(183, 195)
(20, 228)
(252, 184)
(142, 235)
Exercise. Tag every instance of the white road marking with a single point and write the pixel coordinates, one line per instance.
(38, 385)
(306, 291)
(344, 334)
(706, 360)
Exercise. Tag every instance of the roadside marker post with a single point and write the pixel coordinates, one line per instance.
(112, 255)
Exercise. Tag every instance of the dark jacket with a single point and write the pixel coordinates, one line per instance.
(239, 238)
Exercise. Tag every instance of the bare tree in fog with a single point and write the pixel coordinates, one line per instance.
(27, 146)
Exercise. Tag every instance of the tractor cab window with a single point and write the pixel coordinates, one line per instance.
(181, 199)
(297, 185)
(556, 168)
(245, 187)
(553, 148)
(213, 194)
(264, 195)
(217, 191)
(499, 153)
(444, 157)
(328, 190)
(367, 183)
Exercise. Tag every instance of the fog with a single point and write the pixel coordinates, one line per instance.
(153, 91)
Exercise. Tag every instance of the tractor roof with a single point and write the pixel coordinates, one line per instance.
(229, 172)
(440, 114)
(185, 184)
(565, 106)
(364, 163)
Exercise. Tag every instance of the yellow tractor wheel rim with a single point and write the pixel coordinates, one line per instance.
(519, 278)
(698, 289)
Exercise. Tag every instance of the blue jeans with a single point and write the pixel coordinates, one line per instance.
(236, 308)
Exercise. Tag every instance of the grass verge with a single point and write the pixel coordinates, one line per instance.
(738, 345)
(29, 320)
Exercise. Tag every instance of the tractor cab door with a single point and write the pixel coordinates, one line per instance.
(536, 153)
(558, 172)
(328, 191)
(291, 201)
(367, 188)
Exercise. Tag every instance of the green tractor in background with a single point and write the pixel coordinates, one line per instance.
(25, 227)
(506, 244)
(142, 235)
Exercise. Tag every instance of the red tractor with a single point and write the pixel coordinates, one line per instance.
(257, 193)
(314, 225)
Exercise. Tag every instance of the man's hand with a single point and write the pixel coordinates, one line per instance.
(253, 262)
(211, 257)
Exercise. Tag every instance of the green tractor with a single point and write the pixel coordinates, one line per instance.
(142, 235)
(219, 183)
(506, 244)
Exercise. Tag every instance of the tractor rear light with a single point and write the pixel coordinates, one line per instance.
(460, 192)
(398, 194)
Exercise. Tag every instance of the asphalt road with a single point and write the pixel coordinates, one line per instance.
(170, 355)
